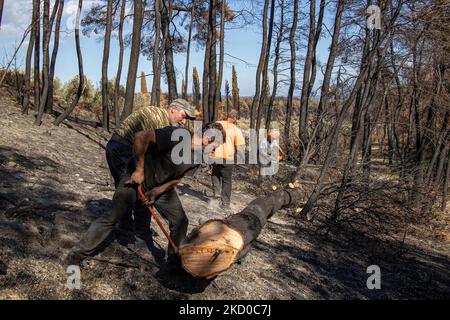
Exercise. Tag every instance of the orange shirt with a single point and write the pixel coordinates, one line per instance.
(234, 139)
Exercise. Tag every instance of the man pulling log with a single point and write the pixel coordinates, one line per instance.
(158, 172)
(119, 150)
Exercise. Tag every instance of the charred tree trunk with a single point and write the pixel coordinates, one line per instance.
(188, 51)
(1, 12)
(424, 149)
(214, 246)
(324, 92)
(290, 98)
(156, 88)
(222, 52)
(360, 94)
(134, 58)
(80, 89)
(166, 18)
(105, 62)
(46, 60)
(445, 185)
(51, 89)
(265, 73)
(27, 77)
(256, 98)
(389, 131)
(106, 48)
(440, 151)
(212, 98)
(209, 99)
(314, 53)
(37, 50)
(304, 100)
(46, 91)
(119, 68)
(275, 68)
(205, 81)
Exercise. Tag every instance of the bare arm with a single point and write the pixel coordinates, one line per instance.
(150, 196)
(142, 140)
(168, 185)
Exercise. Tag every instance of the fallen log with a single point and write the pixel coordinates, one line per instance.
(214, 246)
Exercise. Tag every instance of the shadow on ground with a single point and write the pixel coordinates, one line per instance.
(336, 268)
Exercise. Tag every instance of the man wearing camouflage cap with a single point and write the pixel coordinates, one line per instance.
(119, 149)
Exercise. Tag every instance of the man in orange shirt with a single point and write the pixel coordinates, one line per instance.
(224, 158)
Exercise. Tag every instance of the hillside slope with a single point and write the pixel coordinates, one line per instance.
(54, 181)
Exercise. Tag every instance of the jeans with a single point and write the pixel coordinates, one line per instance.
(221, 180)
(118, 155)
(124, 200)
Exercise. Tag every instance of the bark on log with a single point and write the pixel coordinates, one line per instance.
(214, 246)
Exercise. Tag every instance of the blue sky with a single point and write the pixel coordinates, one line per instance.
(243, 43)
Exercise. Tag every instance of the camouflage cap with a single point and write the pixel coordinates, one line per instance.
(186, 106)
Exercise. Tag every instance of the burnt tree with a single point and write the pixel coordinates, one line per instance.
(81, 82)
(51, 77)
(119, 67)
(105, 61)
(166, 18)
(134, 58)
(37, 37)
(156, 63)
(260, 68)
(290, 98)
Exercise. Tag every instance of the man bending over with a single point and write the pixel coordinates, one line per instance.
(159, 174)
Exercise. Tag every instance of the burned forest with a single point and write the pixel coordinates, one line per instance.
(224, 149)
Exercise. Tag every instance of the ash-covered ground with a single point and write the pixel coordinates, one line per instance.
(54, 181)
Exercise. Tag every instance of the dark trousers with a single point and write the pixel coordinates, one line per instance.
(124, 200)
(221, 180)
(118, 155)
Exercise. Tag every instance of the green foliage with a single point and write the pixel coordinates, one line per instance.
(70, 89)
(57, 87)
(141, 100)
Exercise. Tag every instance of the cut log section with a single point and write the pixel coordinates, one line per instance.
(214, 246)
(211, 248)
